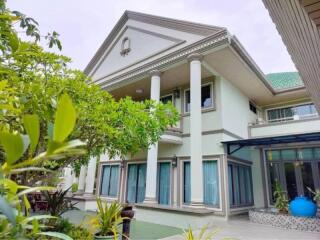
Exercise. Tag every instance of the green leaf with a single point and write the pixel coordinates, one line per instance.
(33, 189)
(32, 125)
(13, 41)
(26, 202)
(12, 145)
(56, 235)
(65, 119)
(7, 210)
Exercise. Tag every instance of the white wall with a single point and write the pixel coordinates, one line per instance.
(235, 110)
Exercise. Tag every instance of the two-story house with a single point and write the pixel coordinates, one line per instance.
(239, 130)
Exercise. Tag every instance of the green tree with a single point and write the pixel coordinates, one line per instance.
(38, 78)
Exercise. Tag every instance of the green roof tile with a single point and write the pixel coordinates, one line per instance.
(284, 80)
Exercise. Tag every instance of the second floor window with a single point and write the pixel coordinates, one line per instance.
(292, 113)
(166, 99)
(206, 97)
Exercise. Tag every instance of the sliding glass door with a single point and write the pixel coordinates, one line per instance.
(136, 183)
(295, 169)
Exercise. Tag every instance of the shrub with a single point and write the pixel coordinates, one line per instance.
(74, 187)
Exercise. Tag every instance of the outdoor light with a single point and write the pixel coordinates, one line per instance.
(176, 93)
(139, 90)
(174, 161)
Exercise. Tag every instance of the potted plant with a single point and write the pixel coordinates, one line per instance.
(316, 196)
(107, 220)
(281, 199)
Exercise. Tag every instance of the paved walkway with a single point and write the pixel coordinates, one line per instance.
(242, 229)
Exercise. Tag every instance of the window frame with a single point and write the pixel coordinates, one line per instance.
(236, 164)
(202, 108)
(279, 120)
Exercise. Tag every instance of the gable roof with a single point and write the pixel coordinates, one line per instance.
(284, 80)
(181, 25)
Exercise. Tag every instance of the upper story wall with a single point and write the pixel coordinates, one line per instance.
(235, 110)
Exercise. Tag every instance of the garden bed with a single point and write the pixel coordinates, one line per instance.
(272, 218)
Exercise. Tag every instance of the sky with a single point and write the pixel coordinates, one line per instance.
(84, 24)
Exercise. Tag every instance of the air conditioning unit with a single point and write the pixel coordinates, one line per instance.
(260, 121)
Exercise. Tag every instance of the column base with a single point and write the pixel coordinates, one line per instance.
(194, 204)
(149, 200)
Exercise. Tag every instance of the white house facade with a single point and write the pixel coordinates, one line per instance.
(238, 133)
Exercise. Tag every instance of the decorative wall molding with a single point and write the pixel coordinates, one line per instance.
(219, 39)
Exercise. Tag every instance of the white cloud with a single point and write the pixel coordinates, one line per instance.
(84, 24)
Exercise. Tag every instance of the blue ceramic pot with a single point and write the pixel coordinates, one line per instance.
(303, 207)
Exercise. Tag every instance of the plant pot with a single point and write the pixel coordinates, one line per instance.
(285, 212)
(98, 237)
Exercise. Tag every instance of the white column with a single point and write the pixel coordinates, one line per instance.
(68, 178)
(91, 176)
(82, 178)
(195, 131)
(151, 182)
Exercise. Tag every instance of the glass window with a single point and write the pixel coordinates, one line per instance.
(110, 179)
(317, 153)
(252, 108)
(292, 189)
(240, 185)
(164, 183)
(186, 183)
(210, 183)
(136, 183)
(166, 99)
(305, 154)
(289, 154)
(273, 155)
(206, 97)
(292, 113)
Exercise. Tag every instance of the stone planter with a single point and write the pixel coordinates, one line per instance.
(272, 218)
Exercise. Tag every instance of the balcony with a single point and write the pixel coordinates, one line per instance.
(172, 135)
(291, 126)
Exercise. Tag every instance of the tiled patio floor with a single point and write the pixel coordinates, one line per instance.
(242, 229)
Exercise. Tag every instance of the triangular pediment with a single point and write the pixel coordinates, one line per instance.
(138, 37)
(132, 46)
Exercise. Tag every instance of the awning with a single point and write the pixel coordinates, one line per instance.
(235, 145)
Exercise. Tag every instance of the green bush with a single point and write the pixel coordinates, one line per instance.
(74, 187)
(76, 232)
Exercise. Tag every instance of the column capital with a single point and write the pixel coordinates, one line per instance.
(155, 72)
(194, 56)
